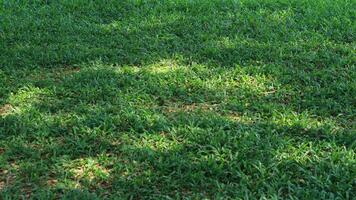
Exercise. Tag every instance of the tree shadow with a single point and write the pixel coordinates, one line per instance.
(141, 34)
(146, 100)
(145, 132)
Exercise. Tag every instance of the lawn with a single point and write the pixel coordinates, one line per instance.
(178, 99)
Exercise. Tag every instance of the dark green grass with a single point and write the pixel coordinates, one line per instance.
(178, 99)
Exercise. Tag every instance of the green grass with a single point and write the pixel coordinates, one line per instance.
(178, 99)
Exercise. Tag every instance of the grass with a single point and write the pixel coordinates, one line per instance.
(178, 99)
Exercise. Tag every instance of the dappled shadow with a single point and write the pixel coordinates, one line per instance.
(150, 133)
(137, 101)
(269, 39)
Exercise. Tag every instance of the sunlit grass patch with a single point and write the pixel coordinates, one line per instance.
(86, 171)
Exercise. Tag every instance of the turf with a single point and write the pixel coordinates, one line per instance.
(178, 99)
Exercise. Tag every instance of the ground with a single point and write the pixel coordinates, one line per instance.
(178, 99)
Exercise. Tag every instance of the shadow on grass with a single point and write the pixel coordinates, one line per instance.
(167, 132)
(269, 39)
(134, 100)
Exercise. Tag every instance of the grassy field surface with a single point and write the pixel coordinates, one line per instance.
(178, 99)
